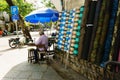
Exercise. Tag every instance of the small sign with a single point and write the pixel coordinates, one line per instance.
(15, 17)
(14, 10)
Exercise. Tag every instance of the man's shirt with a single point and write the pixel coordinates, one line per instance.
(43, 39)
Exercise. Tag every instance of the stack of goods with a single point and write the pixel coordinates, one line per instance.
(76, 31)
(110, 31)
(96, 39)
(61, 26)
(65, 19)
(115, 49)
(69, 30)
(99, 29)
(69, 26)
(67, 33)
(65, 25)
(88, 30)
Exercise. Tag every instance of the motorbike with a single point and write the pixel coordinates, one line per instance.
(14, 42)
(17, 42)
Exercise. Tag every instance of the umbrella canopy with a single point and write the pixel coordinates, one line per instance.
(42, 15)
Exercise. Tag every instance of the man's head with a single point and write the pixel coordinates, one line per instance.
(41, 32)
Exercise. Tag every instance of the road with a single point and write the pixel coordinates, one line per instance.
(4, 46)
(11, 57)
(4, 41)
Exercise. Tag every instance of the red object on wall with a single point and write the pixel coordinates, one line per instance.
(1, 32)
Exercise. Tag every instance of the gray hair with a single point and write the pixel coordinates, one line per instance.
(41, 32)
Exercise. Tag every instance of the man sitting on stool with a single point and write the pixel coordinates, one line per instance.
(43, 39)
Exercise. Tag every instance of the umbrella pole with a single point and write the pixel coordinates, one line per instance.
(46, 29)
(40, 27)
(51, 27)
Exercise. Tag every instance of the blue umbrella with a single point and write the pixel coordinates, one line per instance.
(42, 15)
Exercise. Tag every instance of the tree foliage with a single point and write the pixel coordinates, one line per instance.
(24, 7)
(21, 21)
(48, 3)
(4, 6)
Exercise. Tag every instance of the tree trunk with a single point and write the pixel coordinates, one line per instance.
(24, 28)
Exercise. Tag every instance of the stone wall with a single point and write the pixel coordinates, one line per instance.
(87, 69)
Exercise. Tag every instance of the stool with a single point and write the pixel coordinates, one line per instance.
(31, 56)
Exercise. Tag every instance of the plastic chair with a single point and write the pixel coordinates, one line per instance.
(42, 52)
(31, 56)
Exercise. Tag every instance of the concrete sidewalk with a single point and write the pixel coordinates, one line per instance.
(14, 66)
(26, 71)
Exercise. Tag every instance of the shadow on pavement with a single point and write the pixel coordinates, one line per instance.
(27, 71)
(7, 49)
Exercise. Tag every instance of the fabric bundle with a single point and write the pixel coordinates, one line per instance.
(98, 32)
(110, 31)
(88, 30)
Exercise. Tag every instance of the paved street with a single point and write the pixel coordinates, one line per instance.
(14, 65)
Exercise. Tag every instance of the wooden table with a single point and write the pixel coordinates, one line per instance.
(31, 44)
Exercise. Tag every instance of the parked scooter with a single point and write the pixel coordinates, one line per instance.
(14, 42)
(17, 42)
